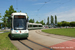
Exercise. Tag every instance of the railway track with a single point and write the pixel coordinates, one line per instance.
(33, 45)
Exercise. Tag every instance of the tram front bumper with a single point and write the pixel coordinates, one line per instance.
(23, 35)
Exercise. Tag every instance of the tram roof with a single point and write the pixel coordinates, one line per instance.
(19, 13)
(34, 24)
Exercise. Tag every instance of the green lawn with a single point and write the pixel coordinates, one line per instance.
(64, 31)
(5, 43)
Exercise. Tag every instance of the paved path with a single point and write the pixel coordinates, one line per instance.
(3, 31)
(51, 40)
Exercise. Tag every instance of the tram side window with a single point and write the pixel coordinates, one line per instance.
(35, 26)
(29, 25)
(40, 25)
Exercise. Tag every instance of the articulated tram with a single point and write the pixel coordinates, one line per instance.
(19, 25)
(32, 26)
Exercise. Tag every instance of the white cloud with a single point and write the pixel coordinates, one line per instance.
(64, 16)
(38, 3)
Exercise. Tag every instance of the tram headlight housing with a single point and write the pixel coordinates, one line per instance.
(26, 32)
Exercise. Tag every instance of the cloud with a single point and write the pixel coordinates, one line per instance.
(38, 3)
(64, 16)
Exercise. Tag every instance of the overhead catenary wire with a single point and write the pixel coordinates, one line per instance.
(53, 8)
(43, 5)
(62, 4)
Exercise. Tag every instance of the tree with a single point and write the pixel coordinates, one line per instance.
(68, 23)
(59, 24)
(42, 22)
(48, 21)
(4, 19)
(64, 23)
(52, 20)
(55, 20)
(1, 25)
(72, 23)
(27, 15)
(37, 22)
(20, 11)
(0, 14)
(31, 20)
(8, 14)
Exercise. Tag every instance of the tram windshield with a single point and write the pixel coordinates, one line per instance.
(19, 23)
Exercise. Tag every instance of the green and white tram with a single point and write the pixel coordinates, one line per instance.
(19, 26)
(32, 26)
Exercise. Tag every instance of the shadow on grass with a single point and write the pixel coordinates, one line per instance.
(9, 35)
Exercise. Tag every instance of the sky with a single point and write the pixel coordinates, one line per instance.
(41, 9)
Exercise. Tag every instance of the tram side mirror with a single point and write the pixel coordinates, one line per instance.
(27, 20)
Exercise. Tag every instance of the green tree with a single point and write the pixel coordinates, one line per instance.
(72, 23)
(8, 14)
(0, 22)
(48, 21)
(55, 20)
(59, 24)
(68, 23)
(20, 11)
(37, 22)
(31, 21)
(27, 15)
(64, 23)
(0, 14)
(0, 25)
(4, 19)
(42, 22)
(52, 20)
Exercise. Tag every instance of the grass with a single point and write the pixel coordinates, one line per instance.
(5, 43)
(64, 31)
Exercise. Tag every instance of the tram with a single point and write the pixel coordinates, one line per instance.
(32, 26)
(19, 25)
